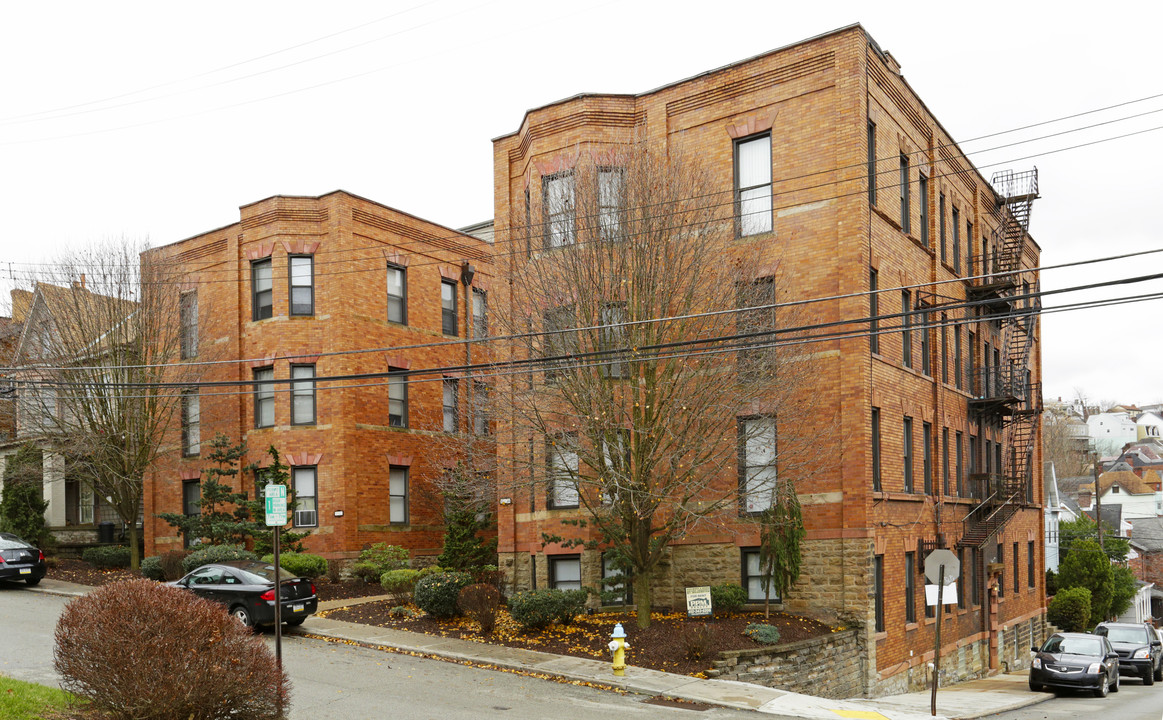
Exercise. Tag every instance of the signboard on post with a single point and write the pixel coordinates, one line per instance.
(698, 601)
(939, 559)
(276, 504)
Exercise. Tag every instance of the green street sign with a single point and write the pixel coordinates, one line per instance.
(276, 504)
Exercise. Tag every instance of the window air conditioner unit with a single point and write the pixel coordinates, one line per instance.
(305, 518)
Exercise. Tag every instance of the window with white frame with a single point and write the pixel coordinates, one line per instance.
(610, 185)
(449, 402)
(616, 456)
(398, 495)
(397, 398)
(303, 395)
(757, 467)
(753, 577)
(302, 284)
(449, 322)
(264, 397)
(188, 323)
(262, 299)
(397, 294)
(565, 572)
(306, 510)
(753, 185)
(191, 423)
(562, 473)
(557, 209)
(480, 313)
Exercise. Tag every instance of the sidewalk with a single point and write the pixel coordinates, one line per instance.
(967, 700)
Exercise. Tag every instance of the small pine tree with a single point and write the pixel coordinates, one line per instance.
(225, 517)
(780, 534)
(465, 521)
(276, 473)
(23, 504)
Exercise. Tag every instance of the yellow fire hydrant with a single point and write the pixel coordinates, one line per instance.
(618, 647)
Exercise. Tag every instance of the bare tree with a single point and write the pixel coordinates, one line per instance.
(95, 374)
(1065, 442)
(661, 379)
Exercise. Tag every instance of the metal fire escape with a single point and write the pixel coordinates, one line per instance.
(1002, 388)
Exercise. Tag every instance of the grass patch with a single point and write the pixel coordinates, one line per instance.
(21, 700)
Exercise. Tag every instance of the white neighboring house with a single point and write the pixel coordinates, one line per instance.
(1051, 518)
(1110, 431)
(1149, 425)
(1136, 495)
(1140, 609)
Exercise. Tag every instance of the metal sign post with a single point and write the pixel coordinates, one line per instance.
(936, 565)
(276, 517)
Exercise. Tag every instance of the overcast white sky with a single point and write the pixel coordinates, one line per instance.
(159, 119)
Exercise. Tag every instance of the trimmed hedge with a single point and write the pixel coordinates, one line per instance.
(214, 554)
(437, 594)
(300, 564)
(107, 556)
(400, 584)
(151, 567)
(540, 608)
(728, 598)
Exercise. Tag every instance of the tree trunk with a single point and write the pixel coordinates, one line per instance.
(134, 553)
(642, 599)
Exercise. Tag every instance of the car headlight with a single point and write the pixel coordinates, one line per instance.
(1142, 653)
(1094, 668)
(1036, 664)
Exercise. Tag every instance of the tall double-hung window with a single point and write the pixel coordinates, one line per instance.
(757, 463)
(557, 207)
(302, 274)
(397, 294)
(610, 186)
(753, 185)
(262, 298)
(562, 469)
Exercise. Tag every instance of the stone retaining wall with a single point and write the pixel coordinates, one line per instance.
(829, 666)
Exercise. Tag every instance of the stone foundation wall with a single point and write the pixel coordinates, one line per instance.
(830, 666)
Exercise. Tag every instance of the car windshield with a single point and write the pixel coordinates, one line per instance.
(258, 574)
(6, 544)
(1072, 646)
(1126, 634)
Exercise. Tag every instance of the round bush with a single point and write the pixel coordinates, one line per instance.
(151, 567)
(1070, 609)
(214, 554)
(107, 556)
(728, 598)
(400, 584)
(366, 571)
(300, 564)
(121, 643)
(763, 634)
(437, 594)
(536, 609)
(481, 602)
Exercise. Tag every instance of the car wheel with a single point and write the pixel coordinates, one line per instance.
(32, 581)
(1036, 687)
(242, 615)
(296, 622)
(1103, 688)
(1118, 680)
(1149, 677)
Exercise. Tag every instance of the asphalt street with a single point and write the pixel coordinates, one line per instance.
(341, 680)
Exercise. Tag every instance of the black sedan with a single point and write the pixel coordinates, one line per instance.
(20, 560)
(247, 589)
(1075, 661)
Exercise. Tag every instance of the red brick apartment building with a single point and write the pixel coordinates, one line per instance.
(934, 394)
(303, 289)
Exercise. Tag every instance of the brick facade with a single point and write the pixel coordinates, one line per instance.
(820, 100)
(349, 440)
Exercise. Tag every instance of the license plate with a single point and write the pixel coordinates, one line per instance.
(297, 608)
(25, 571)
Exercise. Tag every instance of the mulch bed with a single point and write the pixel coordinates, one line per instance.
(673, 642)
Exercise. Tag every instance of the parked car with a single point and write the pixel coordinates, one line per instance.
(1139, 648)
(20, 560)
(247, 589)
(1075, 661)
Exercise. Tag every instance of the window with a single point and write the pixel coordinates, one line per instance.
(926, 342)
(941, 223)
(957, 356)
(910, 587)
(558, 342)
(997, 458)
(1001, 576)
(757, 469)
(1114, 489)
(616, 464)
(302, 273)
(616, 588)
(397, 495)
(191, 423)
(960, 477)
(480, 313)
(923, 205)
(944, 349)
(907, 445)
(927, 455)
(306, 510)
(397, 294)
(449, 323)
(191, 504)
(753, 185)
(753, 578)
(878, 590)
(188, 320)
(906, 225)
(528, 226)
(565, 572)
(756, 319)
(262, 302)
(871, 163)
(969, 247)
(956, 239)
(906, 328)
(480, 407)
(969, 369)
(613, 340)
(876, 449)
(1030, 564)
(873, 312)
(1017, 569)
(961, 578)
(988, 456)
(610, 184)
(451, 419)
(945, 485)
(397, 398)
(975, 581)
(264, 397)
(303, 395)
(562, 472)
(557, 210)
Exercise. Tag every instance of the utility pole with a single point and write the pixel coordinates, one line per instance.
(1098, 501)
